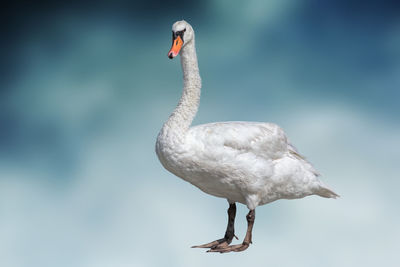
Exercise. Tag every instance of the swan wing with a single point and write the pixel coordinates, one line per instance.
(265, 140)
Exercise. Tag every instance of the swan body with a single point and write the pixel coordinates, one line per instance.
(247, 162)
(252, 163)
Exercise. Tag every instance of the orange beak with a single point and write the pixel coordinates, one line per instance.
(176, 47)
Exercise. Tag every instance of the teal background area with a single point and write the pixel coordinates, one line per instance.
(86, 86)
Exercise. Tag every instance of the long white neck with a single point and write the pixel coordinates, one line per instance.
(184, 113)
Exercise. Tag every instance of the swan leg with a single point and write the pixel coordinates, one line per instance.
(247, 239)
(229, 233)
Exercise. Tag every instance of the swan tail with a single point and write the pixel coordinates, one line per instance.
(321, 189)
(324, 191)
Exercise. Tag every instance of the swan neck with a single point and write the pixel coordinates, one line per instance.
(183, 115)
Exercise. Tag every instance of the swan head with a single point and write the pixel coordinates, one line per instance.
(182, 34)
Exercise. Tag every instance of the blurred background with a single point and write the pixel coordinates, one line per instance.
(85, 86)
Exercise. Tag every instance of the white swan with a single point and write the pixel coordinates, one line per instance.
(247, 162)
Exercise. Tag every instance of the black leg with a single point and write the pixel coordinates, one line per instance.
(229, 233)
(251, 216)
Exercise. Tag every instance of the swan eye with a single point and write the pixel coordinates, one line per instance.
(178, 33)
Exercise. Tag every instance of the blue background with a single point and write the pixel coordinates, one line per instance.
(85, 88)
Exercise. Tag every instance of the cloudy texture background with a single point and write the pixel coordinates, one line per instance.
(85, 88)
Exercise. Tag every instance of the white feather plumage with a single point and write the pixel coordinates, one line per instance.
(247, 162)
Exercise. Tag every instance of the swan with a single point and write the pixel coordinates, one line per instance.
(251, 163)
